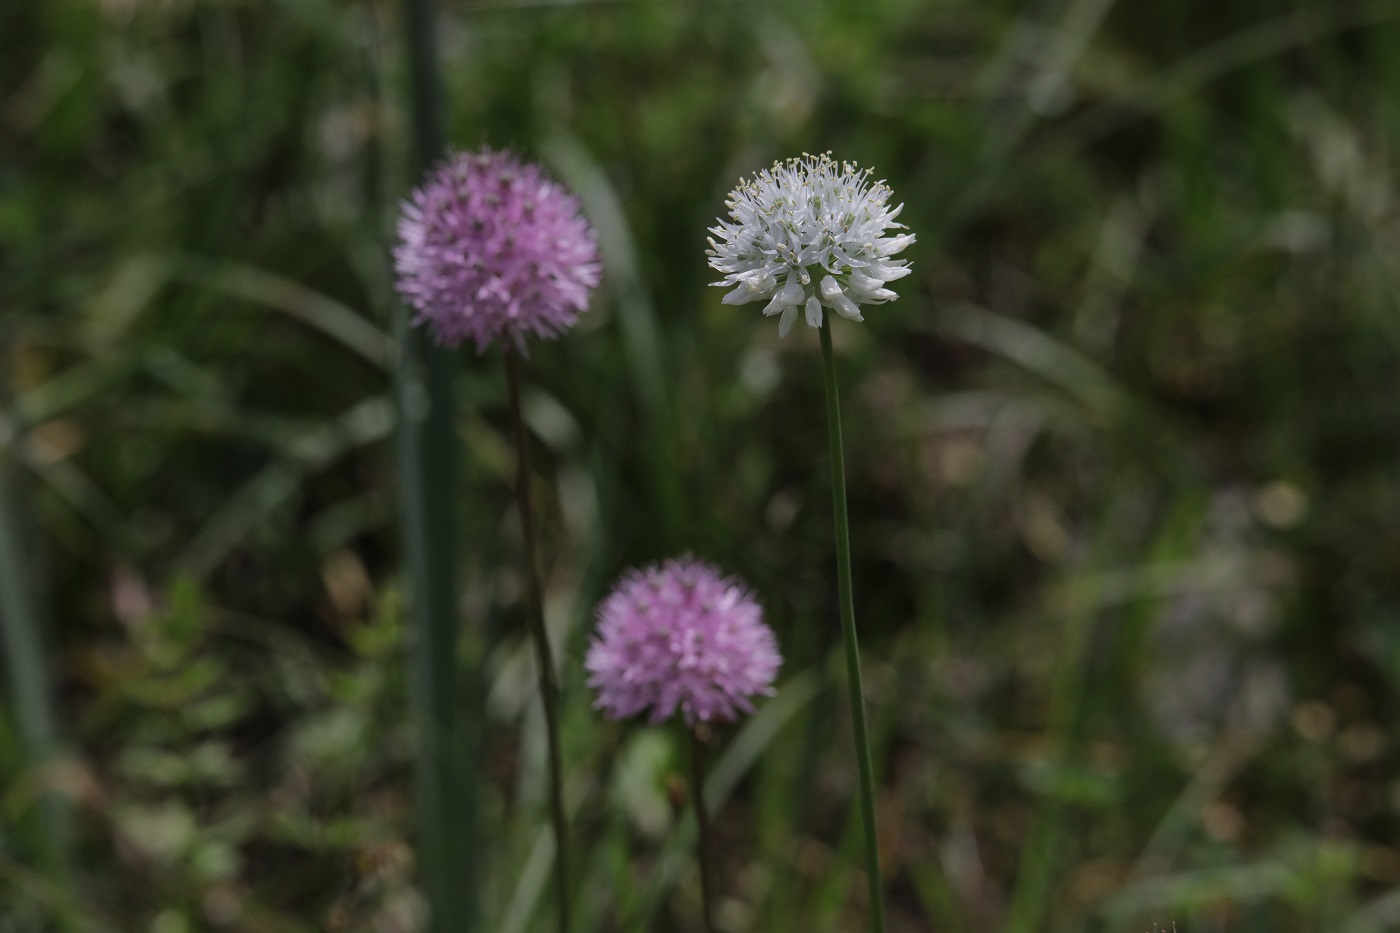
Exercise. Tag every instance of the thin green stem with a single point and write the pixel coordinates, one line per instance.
(549, 686)
(445, 785)
(702, 824)
(848, 631)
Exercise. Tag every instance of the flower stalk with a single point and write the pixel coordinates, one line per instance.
(705, 851)
(544, 657)
(848, 631)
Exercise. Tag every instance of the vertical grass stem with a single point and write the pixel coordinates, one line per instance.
(427, 450)
(848, 630)
(27, 671)
(23, 623)
(534, 595)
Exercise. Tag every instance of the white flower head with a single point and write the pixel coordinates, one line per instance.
(811, 234)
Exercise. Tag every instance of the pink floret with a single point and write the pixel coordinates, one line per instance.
(491, 248)
(679, 635)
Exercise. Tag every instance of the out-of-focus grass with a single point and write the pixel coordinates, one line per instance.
(1122, 458)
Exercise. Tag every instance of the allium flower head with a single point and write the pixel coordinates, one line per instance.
(491, 248)
(809, 234)
(679, 635)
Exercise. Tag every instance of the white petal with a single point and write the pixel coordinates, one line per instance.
(814, 312)
(889, 271)
(833, 297)
(760, 280)
(846, 308)
(865, 290)
(741, 295)
(776, 306)
(788, 319)
(895, 244)
(860, 282)
(792, 292)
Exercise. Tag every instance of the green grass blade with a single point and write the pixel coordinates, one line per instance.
(445, 803)
(27, 672)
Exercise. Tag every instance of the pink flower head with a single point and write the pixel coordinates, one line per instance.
(680, 635)
(491, 248)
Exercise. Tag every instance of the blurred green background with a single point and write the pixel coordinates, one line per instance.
(1124, 463)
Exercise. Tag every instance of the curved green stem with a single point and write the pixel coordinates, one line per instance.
(549, 686)
(848, 631)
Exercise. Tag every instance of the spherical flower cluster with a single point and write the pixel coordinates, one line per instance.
(809, 234)
(679, 635)
(490, 248)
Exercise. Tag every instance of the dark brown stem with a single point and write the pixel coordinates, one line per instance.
(534, 595)
(702, 824)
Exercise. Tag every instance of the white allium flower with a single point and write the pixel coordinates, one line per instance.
(809, 234)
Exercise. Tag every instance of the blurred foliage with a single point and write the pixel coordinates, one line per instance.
(1125, 509)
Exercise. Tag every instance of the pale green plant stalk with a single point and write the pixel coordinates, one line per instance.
(446, 796)
(848, 631)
